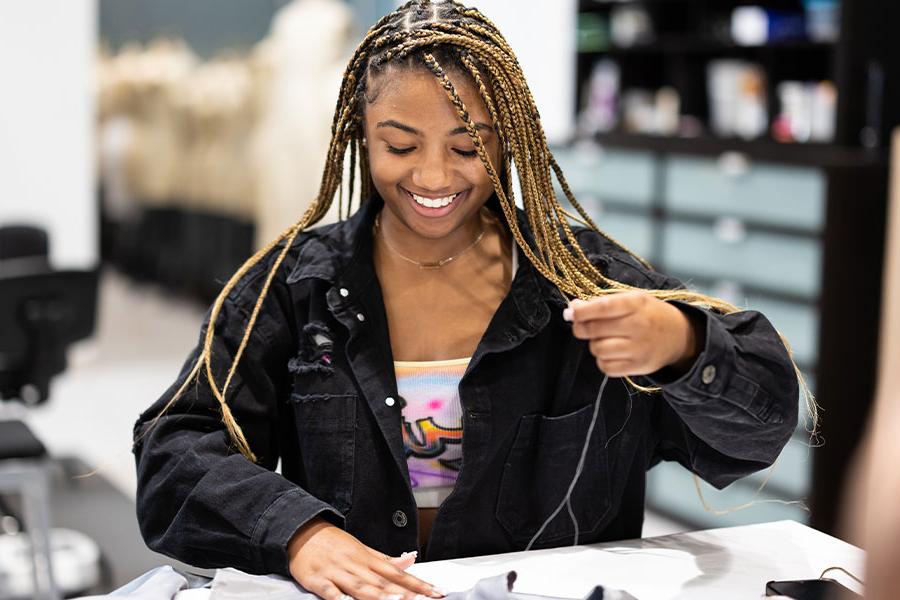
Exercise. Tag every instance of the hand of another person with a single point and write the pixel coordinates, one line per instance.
(633, 333)
(330, 562)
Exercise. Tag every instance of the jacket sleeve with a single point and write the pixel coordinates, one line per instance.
(198, 499)
(735, 409)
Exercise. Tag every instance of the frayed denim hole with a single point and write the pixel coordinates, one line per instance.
(315, 352)
(299, 366)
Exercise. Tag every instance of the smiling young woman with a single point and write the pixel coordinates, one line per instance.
(434, 187)
(427, 370)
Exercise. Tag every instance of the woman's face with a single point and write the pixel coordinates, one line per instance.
(423, 163)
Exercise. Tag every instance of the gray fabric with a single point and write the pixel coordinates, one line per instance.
(162, 583)
(165, 583)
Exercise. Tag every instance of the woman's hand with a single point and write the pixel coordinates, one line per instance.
(632, 333)
(330, 562)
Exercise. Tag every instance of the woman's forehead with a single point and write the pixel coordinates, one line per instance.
(417, 95)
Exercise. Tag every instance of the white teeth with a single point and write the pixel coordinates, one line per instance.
(434, 202)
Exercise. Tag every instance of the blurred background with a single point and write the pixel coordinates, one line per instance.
(147, 148)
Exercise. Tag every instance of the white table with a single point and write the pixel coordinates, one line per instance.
(732, 563)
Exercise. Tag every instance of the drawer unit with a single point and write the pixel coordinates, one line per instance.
(636, 232)
(791, 474)
(798, 322)
(619, 176)
(761, 193)
(671, 491)
(783, 263)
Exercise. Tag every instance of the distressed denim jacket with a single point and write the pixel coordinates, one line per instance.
(314, 391)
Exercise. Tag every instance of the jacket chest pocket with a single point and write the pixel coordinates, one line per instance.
(539, 471)
(325, 416)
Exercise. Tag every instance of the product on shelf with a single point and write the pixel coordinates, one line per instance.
(807, 112)
(758, 25)
(737, 98)
(823, 20)
(630, 25)
(600, 102)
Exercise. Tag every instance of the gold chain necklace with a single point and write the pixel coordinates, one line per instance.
(426, 265)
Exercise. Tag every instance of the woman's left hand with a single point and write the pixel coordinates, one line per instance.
(633, 333)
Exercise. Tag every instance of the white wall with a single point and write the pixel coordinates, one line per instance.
(542, 34)
(47, 56)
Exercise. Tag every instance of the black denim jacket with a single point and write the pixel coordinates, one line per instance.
(312, 391)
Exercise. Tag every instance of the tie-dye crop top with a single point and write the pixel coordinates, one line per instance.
(432, 426)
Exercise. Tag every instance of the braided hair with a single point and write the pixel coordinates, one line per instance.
(437, 36)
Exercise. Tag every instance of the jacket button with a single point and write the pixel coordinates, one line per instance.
(708, 375)
(389, 401)
(344, 292)
(399, 518)
(360, 317)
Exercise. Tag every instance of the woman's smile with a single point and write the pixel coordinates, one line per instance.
(432, 206)
(423, 163)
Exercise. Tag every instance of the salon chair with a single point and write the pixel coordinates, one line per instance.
(42, 311)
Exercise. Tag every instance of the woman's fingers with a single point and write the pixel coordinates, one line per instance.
(618, 368)
(353, 585)
(324, 558)
(404, 561)
(324, 588)
(606, 307)
(405, 580)
(632, 333)
(612, 348)
(597, 328)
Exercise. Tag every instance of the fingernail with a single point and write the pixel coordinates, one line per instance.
(568, 314)
(438, 592)
(413, 553)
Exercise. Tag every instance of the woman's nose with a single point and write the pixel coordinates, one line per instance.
(432, 173)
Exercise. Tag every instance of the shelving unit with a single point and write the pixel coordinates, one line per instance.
(792, 229)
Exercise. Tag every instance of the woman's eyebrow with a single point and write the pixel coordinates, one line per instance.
(414, 131)
(398, 125)
(478, 126)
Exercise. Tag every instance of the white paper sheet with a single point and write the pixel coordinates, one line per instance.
(732, 563)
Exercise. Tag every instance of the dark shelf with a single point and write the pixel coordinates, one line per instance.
(588, 5)
(750, 289)
(693, 45)
(812, 154)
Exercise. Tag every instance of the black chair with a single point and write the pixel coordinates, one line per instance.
(42, 312)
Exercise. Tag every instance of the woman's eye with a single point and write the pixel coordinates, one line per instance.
(466, 153)
(394, 150)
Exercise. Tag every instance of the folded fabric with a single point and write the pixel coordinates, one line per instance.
(161, 583)
(165, 583)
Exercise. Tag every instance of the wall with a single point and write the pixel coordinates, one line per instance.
(47, 51)
(542, 34)
(209, 26)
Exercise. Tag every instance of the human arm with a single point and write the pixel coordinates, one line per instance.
(728, 390)
(198, 499)
(330, 562)
(201, 501)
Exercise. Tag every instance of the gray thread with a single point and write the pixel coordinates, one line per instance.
(566, 501)
(624, 423)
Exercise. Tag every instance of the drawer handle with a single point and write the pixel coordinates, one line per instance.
(730, 230)
(730, 291)
(734, 164)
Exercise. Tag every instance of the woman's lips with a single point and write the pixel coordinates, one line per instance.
(440, 206)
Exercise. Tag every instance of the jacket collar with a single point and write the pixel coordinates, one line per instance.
(341, 253)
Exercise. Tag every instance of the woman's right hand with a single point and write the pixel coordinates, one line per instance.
(330, 562)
